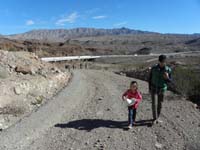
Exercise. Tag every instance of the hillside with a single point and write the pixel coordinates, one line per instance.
(26, 83)
(106, 45)
(194, 42)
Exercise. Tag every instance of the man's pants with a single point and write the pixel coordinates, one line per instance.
(157, 99)
(131, 115)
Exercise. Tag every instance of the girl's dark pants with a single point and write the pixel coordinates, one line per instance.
(131, 115)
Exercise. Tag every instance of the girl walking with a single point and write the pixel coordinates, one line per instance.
(134, 95)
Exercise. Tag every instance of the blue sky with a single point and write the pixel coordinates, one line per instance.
(165, 16)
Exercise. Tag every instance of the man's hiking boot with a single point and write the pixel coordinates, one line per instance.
(130, 126)
(157, 121)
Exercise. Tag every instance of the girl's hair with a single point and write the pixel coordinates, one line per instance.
(134, 82)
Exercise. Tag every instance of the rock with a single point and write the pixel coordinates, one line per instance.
(182, 120)
(96, 144)
(24, 70)
(122, 74)
(101, 146)
(43, 73)
(22, 88)
(158, 145)
(55, 70)
(108, 109)
(100, 99)
(17, 90)
(195, 105)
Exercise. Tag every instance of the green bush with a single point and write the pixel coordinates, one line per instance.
(187, 82)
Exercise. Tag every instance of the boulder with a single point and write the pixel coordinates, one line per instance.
(25, 69)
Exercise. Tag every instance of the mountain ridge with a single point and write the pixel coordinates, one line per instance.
(61, 35)
(65, 34)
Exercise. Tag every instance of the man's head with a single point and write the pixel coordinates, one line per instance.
(162, 60)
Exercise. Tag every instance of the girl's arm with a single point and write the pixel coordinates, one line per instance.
(124, 95)
(138, 98)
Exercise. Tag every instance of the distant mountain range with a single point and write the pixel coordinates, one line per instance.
(64, 34)
(90, 41)
(61, 35)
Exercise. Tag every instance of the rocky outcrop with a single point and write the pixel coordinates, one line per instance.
(26, 83)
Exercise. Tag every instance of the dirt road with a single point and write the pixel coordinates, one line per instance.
(89, 114)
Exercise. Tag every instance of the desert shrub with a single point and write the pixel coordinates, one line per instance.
(12, 49)
(10, 110)
(38, 100)
(187, 82)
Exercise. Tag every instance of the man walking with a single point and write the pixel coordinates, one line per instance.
(160, 75)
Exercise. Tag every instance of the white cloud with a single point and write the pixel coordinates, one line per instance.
(120, 24)
(68, 19)
(99, 17)
(30, 22)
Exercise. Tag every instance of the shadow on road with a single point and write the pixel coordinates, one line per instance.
(147, 123)
(90, 124)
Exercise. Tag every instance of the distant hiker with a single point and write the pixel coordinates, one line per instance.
(81, 65)
(160, 75)
(133, 95)
(73, 66)
(86, 65)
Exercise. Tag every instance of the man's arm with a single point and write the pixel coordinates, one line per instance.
(168, 76)
(150, 77)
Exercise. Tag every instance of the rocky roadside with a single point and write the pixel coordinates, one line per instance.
(26, 83)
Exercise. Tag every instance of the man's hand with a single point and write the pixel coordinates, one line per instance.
(166, 76)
